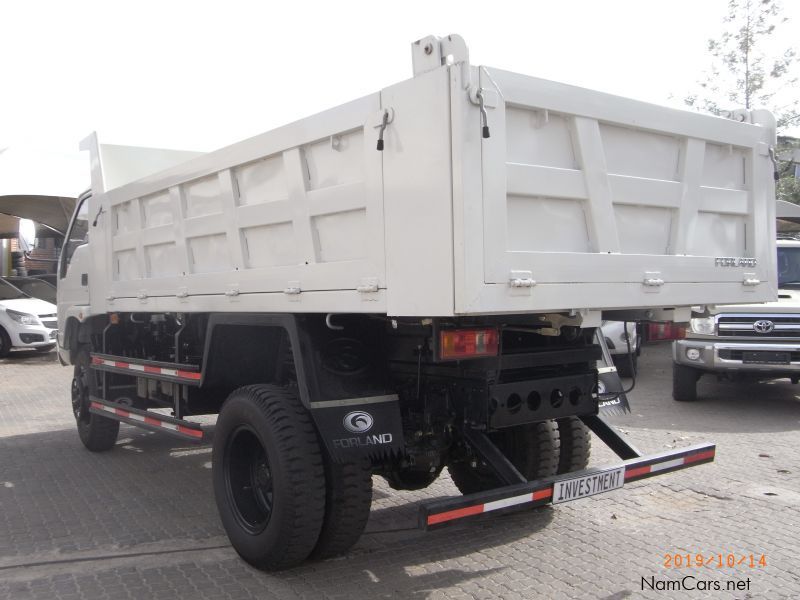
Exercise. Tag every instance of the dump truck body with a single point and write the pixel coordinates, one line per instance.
(576, 200)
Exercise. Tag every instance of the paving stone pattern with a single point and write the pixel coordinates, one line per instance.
(140, 521)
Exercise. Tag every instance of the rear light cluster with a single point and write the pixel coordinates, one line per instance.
(455, 344)
(658, 331)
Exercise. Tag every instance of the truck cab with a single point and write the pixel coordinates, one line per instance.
(74, 265)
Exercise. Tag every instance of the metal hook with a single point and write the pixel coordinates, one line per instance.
(484, 116)
(384, 123)
(329, 323)
(776, 170)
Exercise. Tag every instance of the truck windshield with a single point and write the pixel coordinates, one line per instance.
(788, 266)
(9, 292)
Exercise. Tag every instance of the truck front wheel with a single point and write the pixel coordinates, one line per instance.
(268, 474)
(97, 433)
(684, 383)
(532, 448)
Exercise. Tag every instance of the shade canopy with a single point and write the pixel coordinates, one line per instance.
(53, 212)
(41, 186)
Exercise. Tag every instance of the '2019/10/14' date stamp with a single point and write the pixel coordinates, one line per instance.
(718, 560)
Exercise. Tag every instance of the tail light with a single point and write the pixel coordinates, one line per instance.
(455, 344)
(663, 331)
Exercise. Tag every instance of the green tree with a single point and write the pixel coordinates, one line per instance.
(788, 186)
(748, 71)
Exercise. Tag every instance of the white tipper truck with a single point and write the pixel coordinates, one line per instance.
(407, 282)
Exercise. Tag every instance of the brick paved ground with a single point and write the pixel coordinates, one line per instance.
(140, 521)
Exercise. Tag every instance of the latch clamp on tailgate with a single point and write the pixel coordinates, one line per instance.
(652, 281)
(521, 279)
(750, 281)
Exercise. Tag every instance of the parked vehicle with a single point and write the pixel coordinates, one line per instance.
(408, 282)
(34, 287)
(51, 278)
(754, 341)
(25, 322)
(624, 344)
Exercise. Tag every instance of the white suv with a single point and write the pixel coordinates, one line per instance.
(25, 322)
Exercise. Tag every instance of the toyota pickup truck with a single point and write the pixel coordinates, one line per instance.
(756, 341)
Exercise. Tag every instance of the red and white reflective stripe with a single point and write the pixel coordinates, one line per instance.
(197, 433)
(632, 472)
(489, 506)
(194, 376)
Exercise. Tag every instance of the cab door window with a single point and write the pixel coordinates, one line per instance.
(77, 235)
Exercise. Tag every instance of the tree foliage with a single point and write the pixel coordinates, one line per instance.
(748, 70)
(788, 186)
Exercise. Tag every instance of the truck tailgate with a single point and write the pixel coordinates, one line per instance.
(581, 189)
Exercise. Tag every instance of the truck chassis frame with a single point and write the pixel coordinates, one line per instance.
(516, 492)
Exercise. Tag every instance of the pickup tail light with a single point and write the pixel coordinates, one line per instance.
(455, 344)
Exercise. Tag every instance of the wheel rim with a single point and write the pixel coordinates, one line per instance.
(80, 396)
(248, 479)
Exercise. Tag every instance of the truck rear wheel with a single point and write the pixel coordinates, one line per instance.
(97, 433)
(348, 498)
(576, 445)
(684, 383)
(411, 479)
(269, 480)
(532, 448)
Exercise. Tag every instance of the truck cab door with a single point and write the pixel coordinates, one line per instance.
(74, 267)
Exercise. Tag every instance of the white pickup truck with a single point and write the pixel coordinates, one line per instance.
(755, 341)
(407, 282)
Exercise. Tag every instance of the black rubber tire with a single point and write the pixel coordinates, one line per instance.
(684, 383)
(406, 479)
(348, 498)
(532, 448)
(268, 420)
(627, 364)
(576, 445)
(5, 343)
(97, 433)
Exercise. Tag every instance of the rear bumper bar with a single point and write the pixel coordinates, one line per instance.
(537, 493)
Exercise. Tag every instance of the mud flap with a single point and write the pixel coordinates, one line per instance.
(356, 428)
(612, 399)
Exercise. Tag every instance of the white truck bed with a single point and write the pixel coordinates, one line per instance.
(577, 200)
